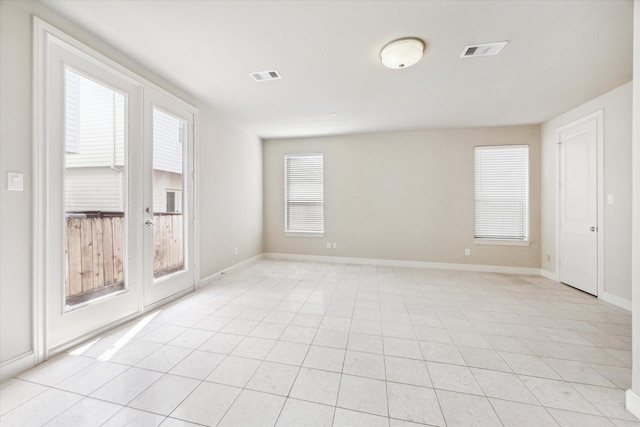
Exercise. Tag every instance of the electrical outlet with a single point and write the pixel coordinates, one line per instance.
(328, 245)
(467, 251)
(548, 258)
(235, 251)
(335, 245)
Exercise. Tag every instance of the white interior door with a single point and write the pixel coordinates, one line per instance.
(92, 152)
(578, 207)
(168, 198)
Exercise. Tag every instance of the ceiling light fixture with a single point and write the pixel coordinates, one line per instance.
(402, 53)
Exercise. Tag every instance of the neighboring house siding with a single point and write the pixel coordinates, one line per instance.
(163, 182)
(167, 142)
(95, 124)
(100, 189)
(72, 113)
(95, 145)
(94, 189)
(119, 140)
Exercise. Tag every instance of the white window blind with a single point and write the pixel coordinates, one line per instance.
(502, 192)
(304, 193)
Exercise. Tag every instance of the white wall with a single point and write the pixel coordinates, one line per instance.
(617, 181)
(230, 195)
(400, 196)
(230, 182)
(15, 155)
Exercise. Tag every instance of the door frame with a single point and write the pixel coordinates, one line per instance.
(43, 34)
(598, 116)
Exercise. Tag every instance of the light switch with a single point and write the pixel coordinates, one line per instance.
(609, 199)
(14, 181)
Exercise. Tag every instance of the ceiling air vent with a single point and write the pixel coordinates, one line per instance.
(482, 49)
(261, 76)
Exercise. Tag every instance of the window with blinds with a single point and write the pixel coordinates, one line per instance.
(502, 192)
(303, 193)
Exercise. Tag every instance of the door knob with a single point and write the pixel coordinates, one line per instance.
(592, 229)
(148, 223)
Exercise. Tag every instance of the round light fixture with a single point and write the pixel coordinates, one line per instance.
(402, 53)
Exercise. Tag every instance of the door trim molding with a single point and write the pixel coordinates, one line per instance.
(39, 296)
(599, 118)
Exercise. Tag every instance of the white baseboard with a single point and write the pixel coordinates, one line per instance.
(18, 364)
(409, 264)
(604, 296)
(633, 403)
(549, 275)
(615, 300)
(215, 276)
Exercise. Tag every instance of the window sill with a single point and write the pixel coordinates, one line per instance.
(500, 242)
(304, 233)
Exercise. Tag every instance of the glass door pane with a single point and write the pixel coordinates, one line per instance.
(169, 138)
(94, 189)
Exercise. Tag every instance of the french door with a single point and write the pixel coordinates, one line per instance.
(117, 167)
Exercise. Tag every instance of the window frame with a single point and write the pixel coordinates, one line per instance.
(505, 241)
(295, 232)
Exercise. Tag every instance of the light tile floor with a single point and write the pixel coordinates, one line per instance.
(311, 344)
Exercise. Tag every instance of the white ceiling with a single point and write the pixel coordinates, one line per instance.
(560, 54)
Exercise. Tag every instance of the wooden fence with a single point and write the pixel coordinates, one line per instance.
(95, 251)
(168, 253)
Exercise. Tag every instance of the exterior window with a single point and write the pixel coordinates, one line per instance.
(171, 201)
(502, 192)
(304, 193)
